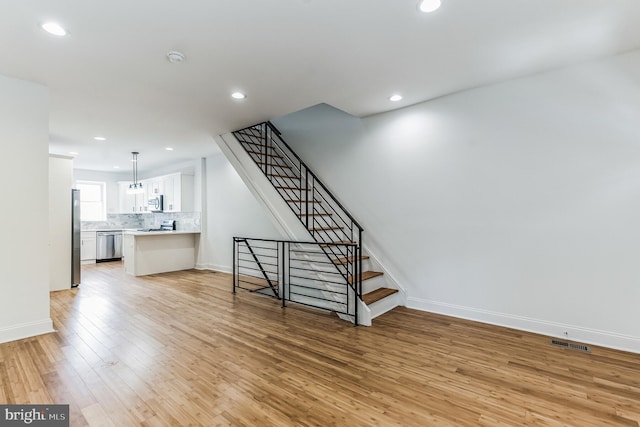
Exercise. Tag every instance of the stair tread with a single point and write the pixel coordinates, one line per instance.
(338, 242)
(366, 275)
(377, 295)
(345, 260)
(274, 164)
(283, 176)
(325, 228)
(242, 131)
(262, 154)
(251, 142)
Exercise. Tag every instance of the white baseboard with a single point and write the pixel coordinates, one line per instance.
(214, 267)
(26, 330)
(542, 327)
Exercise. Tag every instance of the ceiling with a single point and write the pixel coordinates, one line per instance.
(110, 76)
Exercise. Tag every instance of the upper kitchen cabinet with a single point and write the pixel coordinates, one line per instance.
(131, 203)
(177, 189)
(154, 186)
(178, 192)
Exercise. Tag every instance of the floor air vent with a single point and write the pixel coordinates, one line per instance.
(570, 345)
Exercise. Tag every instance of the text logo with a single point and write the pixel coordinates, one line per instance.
(34, 415)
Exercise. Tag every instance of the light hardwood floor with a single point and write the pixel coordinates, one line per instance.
(180, 349)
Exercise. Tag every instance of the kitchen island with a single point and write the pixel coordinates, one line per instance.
(151, 252)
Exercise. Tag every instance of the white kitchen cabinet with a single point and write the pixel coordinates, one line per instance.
(154, 186)
(87, 246)
(131, 203)
(126, 201)
(177, 189)
(178, 192)
(168, 183)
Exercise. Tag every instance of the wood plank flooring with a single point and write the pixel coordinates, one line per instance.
(180, 349)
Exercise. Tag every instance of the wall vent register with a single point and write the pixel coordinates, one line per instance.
(570, 345)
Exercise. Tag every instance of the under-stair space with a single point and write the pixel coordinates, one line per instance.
(330, 272)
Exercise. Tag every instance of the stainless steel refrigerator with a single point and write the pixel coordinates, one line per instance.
(75, 238)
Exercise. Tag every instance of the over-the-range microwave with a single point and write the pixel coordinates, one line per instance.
(156, 203)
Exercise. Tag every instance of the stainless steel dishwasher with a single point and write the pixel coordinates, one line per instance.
(108, 245)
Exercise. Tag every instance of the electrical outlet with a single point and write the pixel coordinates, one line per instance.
(566, 334)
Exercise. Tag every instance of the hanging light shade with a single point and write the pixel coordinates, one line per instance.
(135, 187)
(429, 6)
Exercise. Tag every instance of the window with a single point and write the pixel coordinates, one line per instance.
(93, 200)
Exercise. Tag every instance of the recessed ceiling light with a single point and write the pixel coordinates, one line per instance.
(116, 167)
(99, 138)
(54, 28)
(73, 153)
(238, 95)
(428, 6)
(395, 98)
(175, 57)
(169, 148)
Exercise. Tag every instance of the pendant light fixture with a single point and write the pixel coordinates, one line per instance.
(136, 187)
(428, 6)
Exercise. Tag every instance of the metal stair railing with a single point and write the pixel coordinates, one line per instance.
(293, 271)
(314, 204)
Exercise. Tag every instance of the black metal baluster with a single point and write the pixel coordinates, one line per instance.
(234, 264)
(264, 272)
(264, 149)
(285, 277)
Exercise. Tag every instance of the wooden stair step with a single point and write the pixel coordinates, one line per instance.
(377, 295)
(366, 275)
(242, 132)
(326, 228)
(273, 164)
(345, 260)
(262, 154)
(275, 175)
(338, 242)
(259, 144)
(260, 147)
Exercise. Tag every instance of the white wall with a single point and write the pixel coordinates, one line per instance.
(229, 210)
(24, 172)
(515, 204)
(60, 185)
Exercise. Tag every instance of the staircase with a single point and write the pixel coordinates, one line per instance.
(335, 254)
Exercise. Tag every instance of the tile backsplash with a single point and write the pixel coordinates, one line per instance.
(185, 221)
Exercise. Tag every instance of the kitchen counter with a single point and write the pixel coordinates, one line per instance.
(152, 252)
(157, 232)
